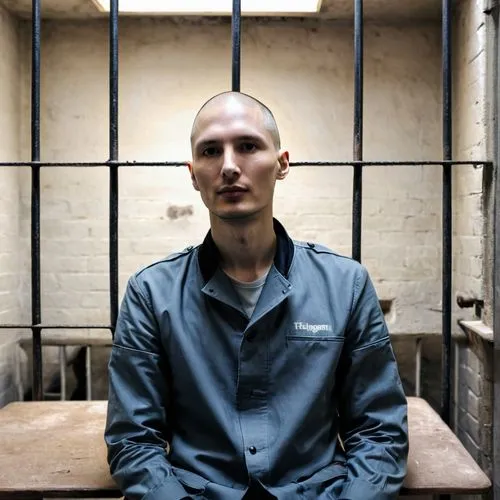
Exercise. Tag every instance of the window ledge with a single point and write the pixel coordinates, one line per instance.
(477, 330)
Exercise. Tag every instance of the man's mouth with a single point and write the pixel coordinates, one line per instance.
(232, 193)
(232, 190)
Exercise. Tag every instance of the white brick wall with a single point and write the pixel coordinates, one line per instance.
(470, 142)
(304, 71)
(9, 204)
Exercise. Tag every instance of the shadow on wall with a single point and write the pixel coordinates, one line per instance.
(405, 351)
(76, 383)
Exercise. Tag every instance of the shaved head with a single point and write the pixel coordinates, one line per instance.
(227, 98)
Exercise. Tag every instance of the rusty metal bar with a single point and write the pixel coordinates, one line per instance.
(113, 169)
(36, 309)
(447, 214)
(357, 189)
(410, 163)
(41, 326)
(236, 42)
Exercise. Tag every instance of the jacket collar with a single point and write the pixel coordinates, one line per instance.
(208, 254)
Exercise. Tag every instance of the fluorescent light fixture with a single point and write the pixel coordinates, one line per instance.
(213, 7)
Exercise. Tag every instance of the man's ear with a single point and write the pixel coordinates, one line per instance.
(193, 178)
(284, 165)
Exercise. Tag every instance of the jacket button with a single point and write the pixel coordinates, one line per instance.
(252, 450)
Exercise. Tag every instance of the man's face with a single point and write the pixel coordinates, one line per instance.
(235, 161)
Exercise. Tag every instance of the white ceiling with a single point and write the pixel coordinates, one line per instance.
(393, 10)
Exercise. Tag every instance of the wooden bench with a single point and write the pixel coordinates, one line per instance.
(56, 449)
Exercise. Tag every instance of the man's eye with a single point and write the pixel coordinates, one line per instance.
(248, 147)
(211, 151)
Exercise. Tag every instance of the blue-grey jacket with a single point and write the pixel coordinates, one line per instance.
(304, 398)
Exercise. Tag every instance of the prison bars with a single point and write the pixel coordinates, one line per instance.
(36, 310)
(446, 208)
(354, 163)
(357, 181)
(357, 163)
(236, 43)
(113, 157)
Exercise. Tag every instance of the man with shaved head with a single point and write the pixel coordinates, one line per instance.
(252, 366)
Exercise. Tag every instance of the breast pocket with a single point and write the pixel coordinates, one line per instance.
(320, 348)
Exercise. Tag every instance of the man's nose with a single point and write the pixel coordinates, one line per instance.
(230, 167)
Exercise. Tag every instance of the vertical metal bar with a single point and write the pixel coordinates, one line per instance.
(447, 200)
(62, 371)
(456, 367)
(418, 368)
(113, 156)
(36, 315)
(236, 38)
(358, 130)
(496, 261)
(88, 372)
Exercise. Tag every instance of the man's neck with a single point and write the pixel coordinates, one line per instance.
(247, 248)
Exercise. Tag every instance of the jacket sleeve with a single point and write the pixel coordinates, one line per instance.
(371, 403)
(137, 426)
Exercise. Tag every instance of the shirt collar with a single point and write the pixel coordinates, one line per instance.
(208, 254)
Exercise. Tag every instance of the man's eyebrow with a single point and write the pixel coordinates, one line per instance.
(198, 145)
(251, 137)
(206, 141)
(245, 137)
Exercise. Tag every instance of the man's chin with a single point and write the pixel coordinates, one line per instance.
(237, 215)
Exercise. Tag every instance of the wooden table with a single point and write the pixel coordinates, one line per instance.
(56, 449)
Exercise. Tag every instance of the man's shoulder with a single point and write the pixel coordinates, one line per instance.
(321, 261)
(319, 251)
(171, 263)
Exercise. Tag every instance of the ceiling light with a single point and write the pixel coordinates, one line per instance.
(213, 7)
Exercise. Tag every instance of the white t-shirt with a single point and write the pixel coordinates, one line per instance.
(249, 292)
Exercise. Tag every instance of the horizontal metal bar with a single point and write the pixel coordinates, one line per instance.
(106, 163)
(353, 163)
(59, 327)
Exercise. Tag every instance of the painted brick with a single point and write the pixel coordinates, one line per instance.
(9, 201)
(470, 425)
(468, 223)
(315, 203)
(472, 380)
(470, 444)
(472, 404)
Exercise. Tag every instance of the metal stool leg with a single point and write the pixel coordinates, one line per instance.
(62, 371)
(418, 367)
(88, 372)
